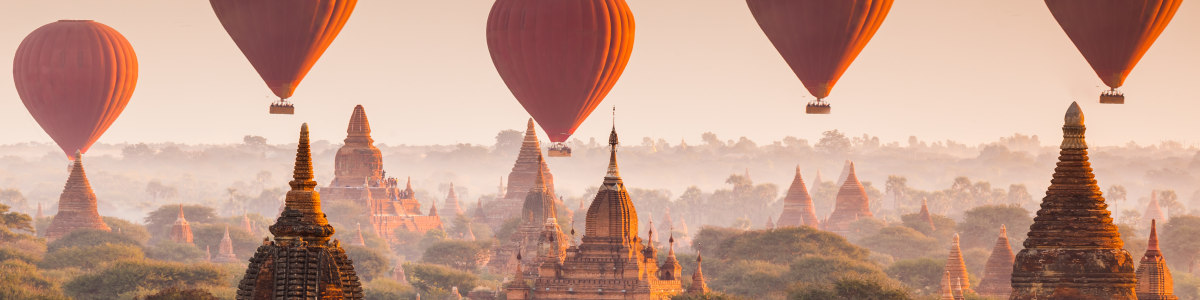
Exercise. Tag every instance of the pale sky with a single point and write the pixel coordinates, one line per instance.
(967, 70)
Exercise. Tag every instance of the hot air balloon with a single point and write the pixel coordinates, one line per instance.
(819, 38)
(283, 38)
(75, 77)
(1113, 34)
(560, 58)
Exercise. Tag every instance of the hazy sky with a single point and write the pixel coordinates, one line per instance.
(968, 70)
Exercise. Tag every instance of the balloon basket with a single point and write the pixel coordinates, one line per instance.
(1112, 97)
(817, 107)
(559, 150)
(282, 108)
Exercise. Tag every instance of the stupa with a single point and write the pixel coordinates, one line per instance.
(77, 208)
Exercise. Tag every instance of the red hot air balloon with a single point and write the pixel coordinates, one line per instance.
(1113, 34)
(283, 38)
(75, 77)
(819, 38)
(560, 58)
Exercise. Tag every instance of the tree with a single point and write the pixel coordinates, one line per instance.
(161, 219)
(176, 293)
(91, 257)
(1117, 192)
(981, 225)
(923, 275)
(508, 141)
(21, 280)
(822, 269)
(750, 278)
(779, 246)
(461, 255)
(1019, 195)
(1179, 242)
(368, 263)
(850, 289)
(434, 280)
(176, 252)
(944, 227)
(90, 237)
(901, 242)
(833, 142)
(1169, 200)
(10, 221)
(127, 276)
(386, 289)
(13, 198)
(159, 191)
(705, 296)
(896, 187)
(254, 140)
(129, 229)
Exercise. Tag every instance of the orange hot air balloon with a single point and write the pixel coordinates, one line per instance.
(75, 77)
(1113, 34)
(283, 38)
(560, 58)
(819, 38)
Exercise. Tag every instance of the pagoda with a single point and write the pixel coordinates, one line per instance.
(452, 204)
(851, 205)
(521, 179)
(798, 209)
(302, 262)
(957, 268)
(997, 272)
(612, 262)
(926, 216)
(698, 287)
(181, 231)
(76, 205)
(359, 178)
(225, 249)
(1153, 278)
(1073, 250)
(1154, 211)
(538, 207)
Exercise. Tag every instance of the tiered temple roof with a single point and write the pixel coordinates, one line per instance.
(181, 231)
(698, 283)
(997, 272)
(225, 249)
(302, 262)
(798, 209)
(77, 208)
(851, 205)
(452, 205)
(358, 161)
(957, 268)
(1154, 211)
(1153, 277)
(612, 262)
(529, 162)
(1073, 250)
(538, 207)
(926, 216)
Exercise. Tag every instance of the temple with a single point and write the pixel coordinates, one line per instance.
(698, 287)
(452, 205)
(359, 178)
(926, 216)
(612, 262)
(521, 179)
(181, 231)
(1154, 211)
(77, 207)
(225, 249)
(302, 262)
(997, 272)
(1153, 278)
(957, 268)
(798, 209)
(1073, 226)
(851, 205)
(538, 207)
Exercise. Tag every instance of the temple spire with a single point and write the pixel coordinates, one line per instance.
(1154, 280)
(956, 266)
(926, 216)
(698, 285)
(302, 217)
(997, 272)
(613, 173)
(77, 205)
(1152, 244)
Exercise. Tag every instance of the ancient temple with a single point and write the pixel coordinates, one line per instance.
(956, 267)
(851, 204)
(76, 205)
(452, 205)
(798, 209)
(302, 262)
(181, 231)
(538, 207)
(225, 249)
(1073, 226)
(1154, 211)
(698, 284)
(997, 272)
(926, 217)
(521, 179)
(359, 178)
(947, 290)
(247, 224)
(1153, 278)
(612, 262)
(358, 237)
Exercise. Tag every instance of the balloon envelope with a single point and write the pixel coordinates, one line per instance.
(819, 38)
(1113, 35)
(75, 77)
(283, 38)
(560, 58)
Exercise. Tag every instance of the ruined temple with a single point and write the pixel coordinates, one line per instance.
(997, 272)
(798, 209)
(1073, 249)
(359, 178)
(612, 262)
(957, 268)
(535, 210)
(521, 179)
(181, 231)
(1153, 278)
(225, 249)
(452, 205)
(76, 205)
(851, 204)
(302, 262)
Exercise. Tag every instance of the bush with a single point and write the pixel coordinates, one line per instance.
(91, 257)
(176, 293)
(130, 276)
(434, 280)
(20, 280)
(461, 255)
(387, 289)
(849, 288)
(90, 237)
(129, 229)
(922, 275)
(176, 252)
(368, 263)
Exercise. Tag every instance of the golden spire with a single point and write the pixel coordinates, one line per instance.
(1073, 129)
(1152, 245)
(302, 217)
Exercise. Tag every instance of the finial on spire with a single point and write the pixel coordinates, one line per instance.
(1073, 129)
(1153, 243)
(1003, 231)
(181, 211)
(302, 175)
